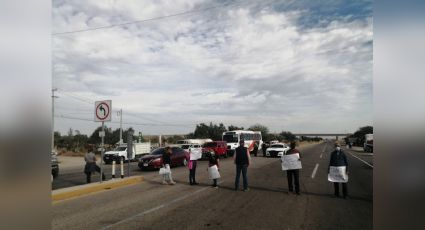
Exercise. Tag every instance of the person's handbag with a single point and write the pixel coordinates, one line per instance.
(164, 170)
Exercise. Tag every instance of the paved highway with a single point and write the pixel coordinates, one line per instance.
(150, 205)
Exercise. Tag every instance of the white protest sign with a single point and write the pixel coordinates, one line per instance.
(213, 172)
(195, 153)
(291, 161)
(338, 174)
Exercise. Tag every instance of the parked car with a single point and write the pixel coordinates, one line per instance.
(154, 159)
(276, 150)
(218, 147)
(186, 147)
(55, 164)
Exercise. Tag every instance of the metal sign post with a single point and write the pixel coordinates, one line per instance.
(129, 150)
(102, 151)
(102, 113)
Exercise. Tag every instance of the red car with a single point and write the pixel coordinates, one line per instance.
(154, 160)
(218, 147)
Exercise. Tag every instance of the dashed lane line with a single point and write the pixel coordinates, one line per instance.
(314, 171)
(158, 207)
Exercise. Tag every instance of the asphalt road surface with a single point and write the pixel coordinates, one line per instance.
(267, 205)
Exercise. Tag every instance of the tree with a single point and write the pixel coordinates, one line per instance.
(360, 134)
(231, 128)
(264, 131)
(212, 131)
(287, 136)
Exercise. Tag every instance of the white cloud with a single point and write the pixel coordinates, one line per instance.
(237, 65)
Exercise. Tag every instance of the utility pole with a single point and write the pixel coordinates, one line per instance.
(53, 117)
(120, 114)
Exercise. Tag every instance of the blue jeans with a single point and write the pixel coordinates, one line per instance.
(243, 169)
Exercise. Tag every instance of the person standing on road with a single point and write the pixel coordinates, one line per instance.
(338, 158)
(166, 163)
(255, 149)
(91, 167)
(264, 148)
(213, 160)
(242, 160)
(192, 169)
(293, 175)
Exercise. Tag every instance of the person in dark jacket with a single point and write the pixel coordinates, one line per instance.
(264, 148)
(294, 174)
(242, 160)
(91, 166)
(255, 148)
(166, 163)
(338, 158)
(213, 160)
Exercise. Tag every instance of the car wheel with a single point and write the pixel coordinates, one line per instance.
(184, 162)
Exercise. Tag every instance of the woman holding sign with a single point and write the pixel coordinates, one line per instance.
(293, 174)
(213, 168)
(338, 170)
(192, 167)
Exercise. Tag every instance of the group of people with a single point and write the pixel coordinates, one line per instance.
(242, 160)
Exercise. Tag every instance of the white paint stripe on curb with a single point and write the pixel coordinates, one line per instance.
(158, 207)
(314, 171)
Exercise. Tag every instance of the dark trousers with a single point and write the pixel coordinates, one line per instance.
(264, 152)
(88, 174)
(243, 169)
(192, 173)
(344, 189)
(295, 175)
(215, 182)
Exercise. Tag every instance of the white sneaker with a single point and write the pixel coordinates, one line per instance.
(172, 183)
(164, 182)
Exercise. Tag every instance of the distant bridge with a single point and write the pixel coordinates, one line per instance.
(336, 135)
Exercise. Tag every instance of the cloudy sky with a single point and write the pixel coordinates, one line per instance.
(300, 66)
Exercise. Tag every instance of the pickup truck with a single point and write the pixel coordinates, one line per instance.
(120, 152)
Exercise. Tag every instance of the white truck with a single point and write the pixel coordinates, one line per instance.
(193, 141)
(368, 143)
(120, 152)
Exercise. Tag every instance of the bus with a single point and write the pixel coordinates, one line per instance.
(232, 138)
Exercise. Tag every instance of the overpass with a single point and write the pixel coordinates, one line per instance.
(336, 135)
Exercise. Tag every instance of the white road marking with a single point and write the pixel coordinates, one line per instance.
(361, 160)
(321, 155)
(314, 171)
(158, 207)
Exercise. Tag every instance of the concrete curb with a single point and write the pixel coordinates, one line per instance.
(76, 191)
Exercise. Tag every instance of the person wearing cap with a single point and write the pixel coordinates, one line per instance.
(338, 158)
(293, 175)
(242, 160)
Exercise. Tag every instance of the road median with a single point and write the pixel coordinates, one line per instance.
(81, 190)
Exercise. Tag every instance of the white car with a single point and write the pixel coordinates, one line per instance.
(276, 150)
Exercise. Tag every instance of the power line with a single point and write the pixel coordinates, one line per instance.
(127, 123)
(149, 19)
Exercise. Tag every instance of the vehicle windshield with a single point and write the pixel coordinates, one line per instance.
(210, 144)
(181, 142)
(120, 148)
(185, 146)
(159, 151)
(277, 146)
(229, 138)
